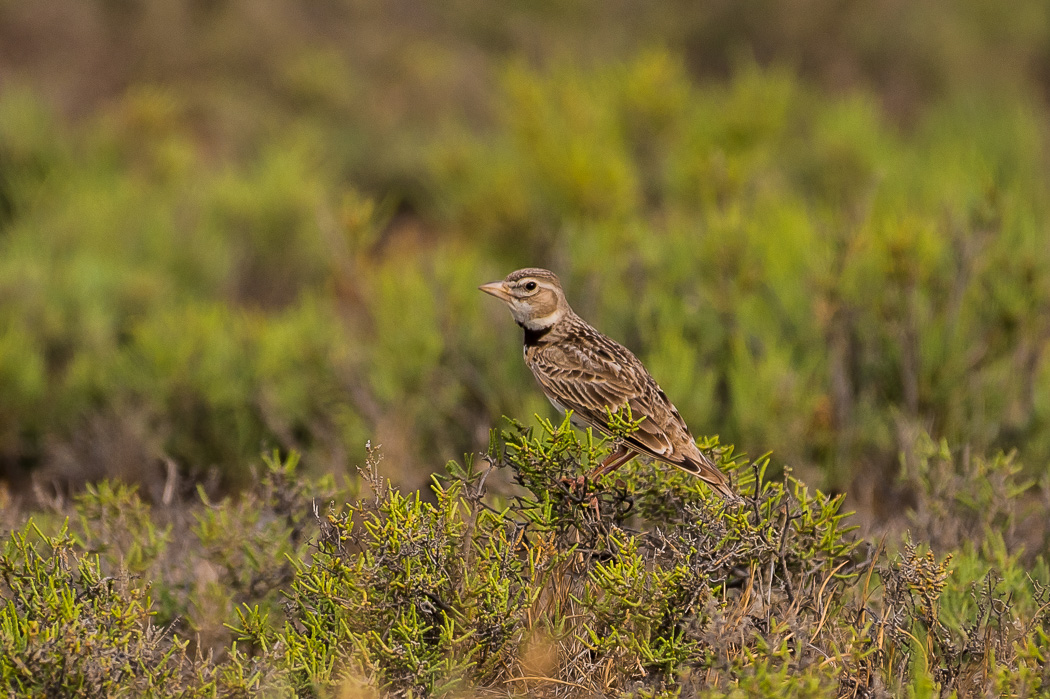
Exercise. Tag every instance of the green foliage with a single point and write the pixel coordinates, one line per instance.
(806, 292)
(68, 629)
(799, 272)
(116, 525)
(108, 601)
(973, 501)
(645, 584)
(269, 235)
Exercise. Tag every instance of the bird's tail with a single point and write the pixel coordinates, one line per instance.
(705, 469)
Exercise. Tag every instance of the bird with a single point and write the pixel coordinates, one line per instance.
(582, 370)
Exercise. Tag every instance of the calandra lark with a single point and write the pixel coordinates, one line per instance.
(584, 371)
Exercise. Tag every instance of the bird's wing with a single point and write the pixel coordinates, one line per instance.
(589, 378)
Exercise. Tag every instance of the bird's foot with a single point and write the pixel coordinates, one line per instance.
(575, 484)
(593, 504)
(578, 487)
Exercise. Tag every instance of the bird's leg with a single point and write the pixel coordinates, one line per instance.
(613, 461)
(619, 456)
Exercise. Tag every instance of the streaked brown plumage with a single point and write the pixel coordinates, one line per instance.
(584, 371)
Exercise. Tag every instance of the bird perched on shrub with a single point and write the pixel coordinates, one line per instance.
(584, 371)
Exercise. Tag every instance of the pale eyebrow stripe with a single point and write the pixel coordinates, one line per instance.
(539, 282)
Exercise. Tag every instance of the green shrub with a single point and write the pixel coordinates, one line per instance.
(645, 585)
(270, 236)
(69, 629)
(800, 273)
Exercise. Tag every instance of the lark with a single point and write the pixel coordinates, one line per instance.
(584, 371)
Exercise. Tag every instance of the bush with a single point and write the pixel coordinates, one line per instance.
(800, 273)
(793, 280)
(648, 585)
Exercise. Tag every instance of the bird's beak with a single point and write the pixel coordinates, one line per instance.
(497, 289)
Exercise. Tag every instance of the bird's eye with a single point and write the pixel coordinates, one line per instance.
(531, 286)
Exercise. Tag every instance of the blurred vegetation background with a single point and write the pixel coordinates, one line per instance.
(230, 226)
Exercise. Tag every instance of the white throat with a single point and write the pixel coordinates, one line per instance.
(544, 322)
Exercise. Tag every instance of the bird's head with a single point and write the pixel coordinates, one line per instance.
(534, 296)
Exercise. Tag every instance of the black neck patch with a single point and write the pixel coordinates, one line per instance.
(533, 337)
